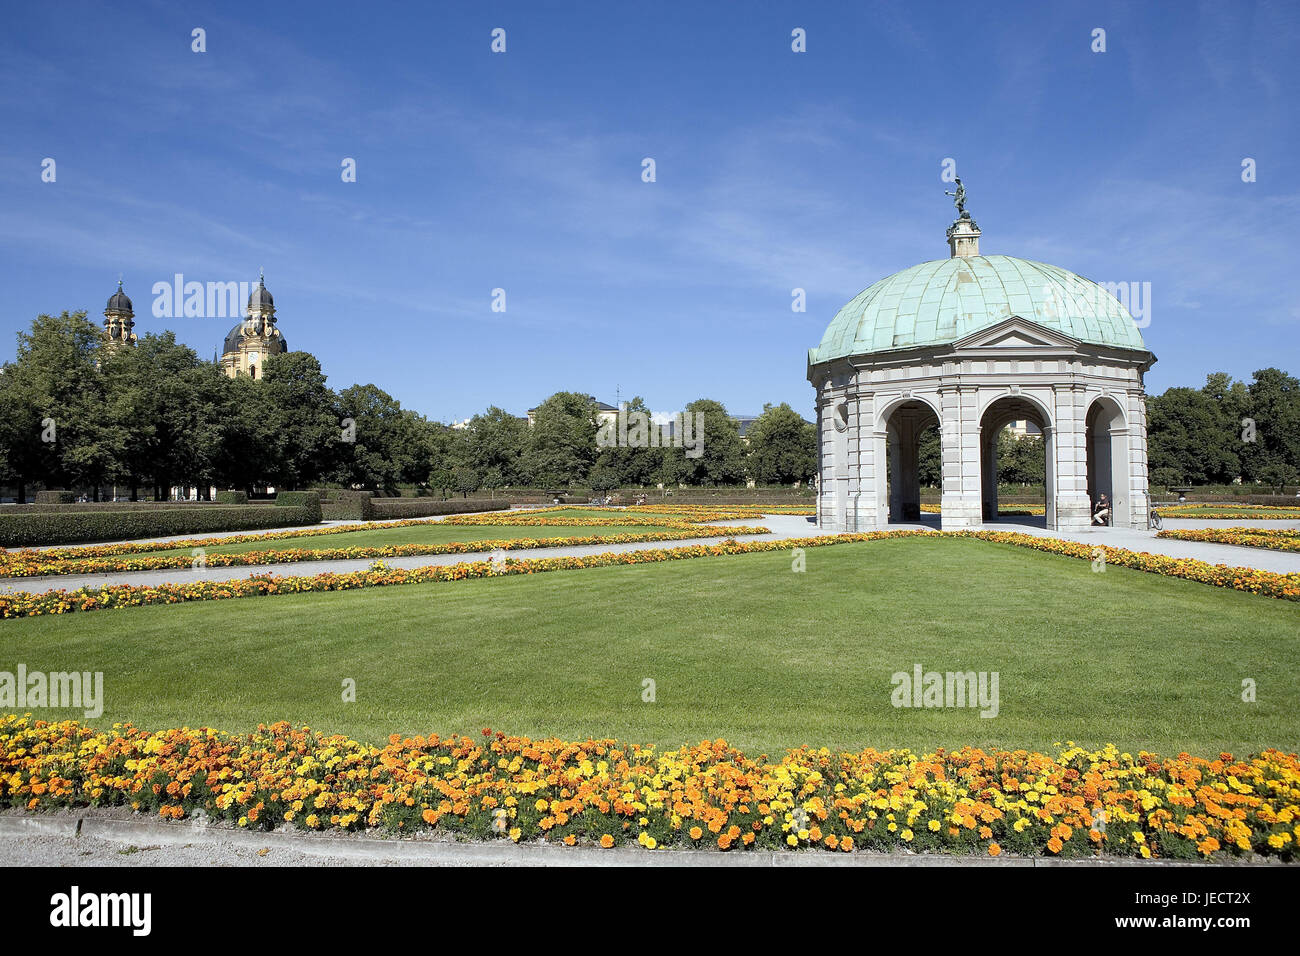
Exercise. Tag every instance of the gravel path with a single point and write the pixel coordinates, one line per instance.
(782, 526)
(117, 838)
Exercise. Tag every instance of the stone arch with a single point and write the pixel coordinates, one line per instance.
(1043, 410)
(1106, 445)
(899, 429)
(882, 416)
(998, 412)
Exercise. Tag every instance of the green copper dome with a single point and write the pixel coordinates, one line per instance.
(939, 302)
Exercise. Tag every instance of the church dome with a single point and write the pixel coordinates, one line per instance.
(233, 338)
(118, 302)
(939, 302)
(260, 296)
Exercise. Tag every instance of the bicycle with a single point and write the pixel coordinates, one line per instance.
(1154, 521)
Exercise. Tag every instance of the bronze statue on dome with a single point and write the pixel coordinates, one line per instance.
(959, 197)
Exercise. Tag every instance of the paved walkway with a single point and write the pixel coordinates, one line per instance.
(112, 838)
(782, 526)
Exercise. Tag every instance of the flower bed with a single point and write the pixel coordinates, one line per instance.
(1009, 510)
(736, 511)
(605, 792)
(29, 557)
(1275, 539)
(1269, 583)
(28, 604)
(616, 518)
(58, 601)
(1237, 513)
(33, 564)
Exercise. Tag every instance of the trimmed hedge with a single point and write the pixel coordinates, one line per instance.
(68, 526)
(347, 509)
(360, 506)
(307, 500)
(113, 506)
(55, 497)
(232, 497)
(383, 508)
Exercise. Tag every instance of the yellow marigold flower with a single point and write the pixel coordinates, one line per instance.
(935, 826)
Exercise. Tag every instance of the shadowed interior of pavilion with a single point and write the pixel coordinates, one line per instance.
(914, 463)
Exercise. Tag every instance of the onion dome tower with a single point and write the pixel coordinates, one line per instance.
(119, 318)
(249, 344)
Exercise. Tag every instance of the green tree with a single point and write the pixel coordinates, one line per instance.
(62, 432)
(1021, 460)
(782, 446)
(603, 479)
(496, 442)
(722, 453)
(1192, 436)
(929, 464)
(247, 443)
(562, 445)
(382, 443)
(308, 427)
(447, 450)
(1274, 408)
(465, 480)
(633, 461)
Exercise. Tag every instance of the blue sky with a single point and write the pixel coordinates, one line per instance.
(522, 171)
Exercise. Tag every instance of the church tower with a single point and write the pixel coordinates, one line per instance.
(253, 341)
(119, 319)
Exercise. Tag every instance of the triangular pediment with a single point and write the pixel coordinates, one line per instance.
(1016, 333)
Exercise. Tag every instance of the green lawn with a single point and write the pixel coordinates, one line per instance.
(739, 647)
(434, 533)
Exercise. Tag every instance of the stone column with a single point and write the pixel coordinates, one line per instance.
(1073, 507)
(961, 468)
(1139, 489)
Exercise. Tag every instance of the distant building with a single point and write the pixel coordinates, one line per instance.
(1024, 429)
(119, 318)
(249, 344)
(602, 412)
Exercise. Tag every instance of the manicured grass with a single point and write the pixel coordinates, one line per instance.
(739, 647)
(433, 533)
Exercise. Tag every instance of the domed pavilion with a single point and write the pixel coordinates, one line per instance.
(972, 343)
